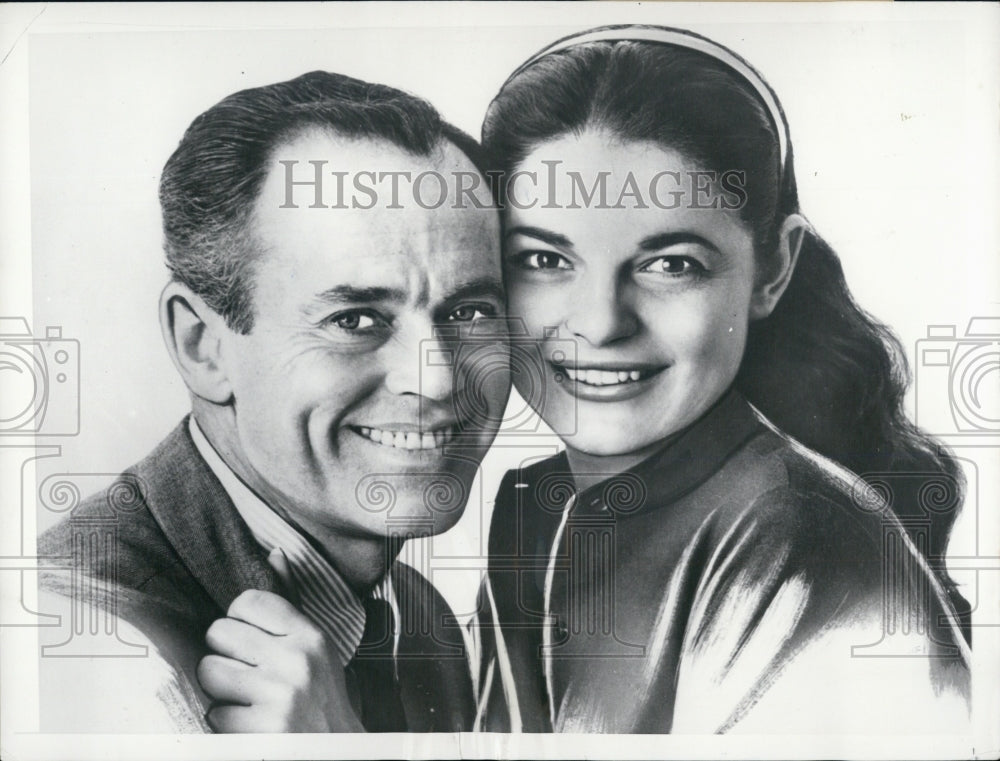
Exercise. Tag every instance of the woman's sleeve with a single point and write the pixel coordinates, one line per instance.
(788, 632)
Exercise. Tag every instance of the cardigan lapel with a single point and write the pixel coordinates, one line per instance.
(201, 522)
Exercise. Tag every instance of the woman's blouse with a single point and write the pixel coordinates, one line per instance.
(734, 581)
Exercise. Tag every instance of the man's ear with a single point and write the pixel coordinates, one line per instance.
(775, 273)
(193, 333)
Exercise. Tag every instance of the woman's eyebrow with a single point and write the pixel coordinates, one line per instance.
(546, 236)
(665, 240)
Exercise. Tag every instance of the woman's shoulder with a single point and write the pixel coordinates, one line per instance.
(812, 520)
(814, 543)
(790, 517)
(798, 493)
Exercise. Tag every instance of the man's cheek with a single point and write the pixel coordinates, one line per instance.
(482, 383)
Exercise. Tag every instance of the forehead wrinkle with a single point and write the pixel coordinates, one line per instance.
(419, 283)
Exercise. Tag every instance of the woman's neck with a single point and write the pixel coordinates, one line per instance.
(589, 469)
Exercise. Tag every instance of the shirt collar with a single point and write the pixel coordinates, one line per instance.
(684, 462)
(323, 594)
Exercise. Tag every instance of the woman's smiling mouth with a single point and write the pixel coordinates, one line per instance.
(606, 381)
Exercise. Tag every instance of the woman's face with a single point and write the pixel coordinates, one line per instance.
(656, 300)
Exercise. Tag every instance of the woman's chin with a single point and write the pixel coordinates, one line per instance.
(617, 441)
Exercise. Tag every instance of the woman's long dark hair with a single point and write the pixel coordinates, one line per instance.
(819, 367)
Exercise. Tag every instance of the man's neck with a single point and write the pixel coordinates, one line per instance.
(361, 559)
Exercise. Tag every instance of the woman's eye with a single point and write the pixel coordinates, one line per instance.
(674, 265)
(544, 260)
(354, 320)
(471, 313)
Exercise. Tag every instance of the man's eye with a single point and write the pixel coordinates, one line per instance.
(471, 313)
(354, 320)
(676, 266)
(544, 260)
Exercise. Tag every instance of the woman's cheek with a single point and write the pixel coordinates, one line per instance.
(534, 307)
(723, 348)
(706, 334)
(683, 326)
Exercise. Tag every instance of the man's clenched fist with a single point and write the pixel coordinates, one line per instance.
(272, 670)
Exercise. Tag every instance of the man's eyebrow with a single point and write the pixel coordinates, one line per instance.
(483, 286)
(480, 287)
(360, 295)
(665, 240)
(546, 236)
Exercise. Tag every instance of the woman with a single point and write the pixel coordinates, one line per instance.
(702, 557)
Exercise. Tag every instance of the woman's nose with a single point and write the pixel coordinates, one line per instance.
(599, 312)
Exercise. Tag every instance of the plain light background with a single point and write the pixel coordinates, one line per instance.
(893, 122)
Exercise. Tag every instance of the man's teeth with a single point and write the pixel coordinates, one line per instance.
(605, 377)
(409, 439)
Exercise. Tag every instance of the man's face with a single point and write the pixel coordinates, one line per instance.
(352, 414)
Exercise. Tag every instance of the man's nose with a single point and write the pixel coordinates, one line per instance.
(421, 364)
(599, 312)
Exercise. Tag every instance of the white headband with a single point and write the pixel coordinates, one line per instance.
(684, 39)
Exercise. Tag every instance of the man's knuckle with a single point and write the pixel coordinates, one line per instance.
(229, 719)
(216, 633)
(212, 716)
(246, 601)
(207, 670)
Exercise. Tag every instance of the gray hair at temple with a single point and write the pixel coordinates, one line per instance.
(211, 182)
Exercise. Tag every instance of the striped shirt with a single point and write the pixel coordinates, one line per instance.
(324, 597)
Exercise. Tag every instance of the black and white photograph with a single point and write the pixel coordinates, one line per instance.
(500, 380)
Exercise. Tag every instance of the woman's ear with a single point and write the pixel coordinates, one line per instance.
(193, 333)
(775, 273)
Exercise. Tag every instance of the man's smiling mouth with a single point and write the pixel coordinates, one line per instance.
(414, 440)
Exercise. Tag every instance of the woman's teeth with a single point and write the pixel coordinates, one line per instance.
(605, 377)
(408, 439)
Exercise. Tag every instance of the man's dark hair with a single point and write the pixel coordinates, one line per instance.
(211, 182)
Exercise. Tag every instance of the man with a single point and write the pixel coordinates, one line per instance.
(324, 334)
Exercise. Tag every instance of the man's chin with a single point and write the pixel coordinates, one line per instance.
(412, 504)
(402, 525)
